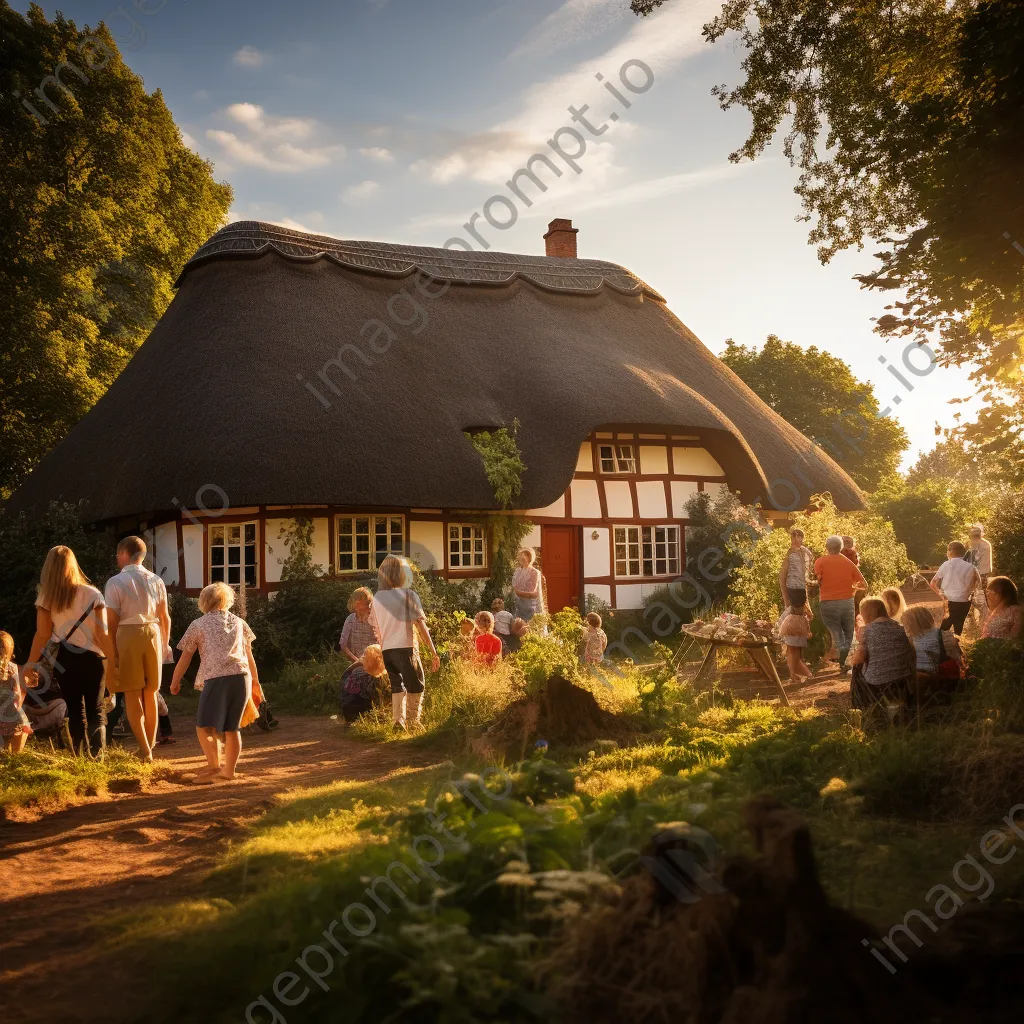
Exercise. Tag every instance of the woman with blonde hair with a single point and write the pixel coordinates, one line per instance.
(526, 584)
(398, 616)
(71, 625)
(358, 632)
(227, 677)
(895, 602)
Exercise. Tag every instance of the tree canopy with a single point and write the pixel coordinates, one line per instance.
(904, 121)
(817, 394)
(102, 206)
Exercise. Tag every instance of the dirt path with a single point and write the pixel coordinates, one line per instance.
(63, 869)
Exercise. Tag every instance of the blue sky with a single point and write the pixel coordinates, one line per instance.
(396, 119)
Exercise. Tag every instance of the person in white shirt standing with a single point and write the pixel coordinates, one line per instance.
(979, 554)
(956, 581)
(137, 616)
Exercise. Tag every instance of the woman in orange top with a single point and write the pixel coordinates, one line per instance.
(839, 579)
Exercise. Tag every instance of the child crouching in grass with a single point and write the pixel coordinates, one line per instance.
(227, 678)
(595, 640)
(361, 683)
(795, 631)
(15, 728)
(488, 646)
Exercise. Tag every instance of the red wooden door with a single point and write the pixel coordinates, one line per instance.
(560, 563)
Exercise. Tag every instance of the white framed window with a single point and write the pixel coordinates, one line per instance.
(233, 554)
(467, 548)
(365, 541)
(616, 458)
(646, 551)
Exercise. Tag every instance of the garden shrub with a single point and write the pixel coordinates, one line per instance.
(883, 559)
(1006, 531)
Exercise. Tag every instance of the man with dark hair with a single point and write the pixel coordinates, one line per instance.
(955, 582)
(137, 615)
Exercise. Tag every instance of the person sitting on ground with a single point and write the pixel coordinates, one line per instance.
(895, 602)
(888, 657)
(939, 656)
(502, 621)
(955, 582)
(488, 646)
(227, 677)
(839, 579)
(361, 688)
(595, 640)
(850, 550)
(516, 632)
(15, 727)
(795, 631)
(359, 632)
(795, 570)
(1004, 619)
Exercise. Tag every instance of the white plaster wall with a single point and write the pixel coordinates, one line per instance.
(600, 590)
(653, 459)
(585, 459)
(650, 499)
(276, 550)
(322, 544)
(596, 554)
(556, 508)
(717, 490)
(165, 553)
(619, 498)
(585, 502)
(682, 492)
(532, 539)
(192, 542)
(629, 595)
(695, 462)
(426, 544)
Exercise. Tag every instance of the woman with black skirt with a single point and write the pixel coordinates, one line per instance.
(71, 627)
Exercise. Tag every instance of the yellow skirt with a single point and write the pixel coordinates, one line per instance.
(138, 656)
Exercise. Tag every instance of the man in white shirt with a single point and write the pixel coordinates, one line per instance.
(137, 616)
(955, 581)
(979, 553)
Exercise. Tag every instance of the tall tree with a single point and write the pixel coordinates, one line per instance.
(904, 120)
(817, 394)
(102, 206)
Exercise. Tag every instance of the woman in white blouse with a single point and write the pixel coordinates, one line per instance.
(526, 582)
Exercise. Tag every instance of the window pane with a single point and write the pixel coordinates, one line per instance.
(216, 534)
(250, 554)
(634, 568)
(217, 575)
(648, 568)
(362, 526)
(344, 562)
(396, 527)
(345, 542)
(234, 534)
(234, 575)
(362, 542)
(362, 560)
(344, 526)
(250, 575)
(216, 556)
(234, 555)
(250, 533)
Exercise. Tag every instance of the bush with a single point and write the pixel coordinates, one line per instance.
(883, 559)
(1006, 531)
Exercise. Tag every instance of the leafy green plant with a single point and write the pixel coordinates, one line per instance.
(1007, 535)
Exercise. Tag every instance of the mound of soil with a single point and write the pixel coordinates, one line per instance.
(762, 945)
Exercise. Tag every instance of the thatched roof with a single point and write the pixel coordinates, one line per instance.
(562, 345)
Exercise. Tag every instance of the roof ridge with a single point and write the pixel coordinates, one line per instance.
(251, 239)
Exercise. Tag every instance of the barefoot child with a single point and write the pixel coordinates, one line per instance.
(488, 646)
(795, 631)
(227, 678)
(595, 639)
(14, 724)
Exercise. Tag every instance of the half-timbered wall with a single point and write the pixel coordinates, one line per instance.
(627, 496)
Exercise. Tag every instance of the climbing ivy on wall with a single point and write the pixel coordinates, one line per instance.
(504, 466)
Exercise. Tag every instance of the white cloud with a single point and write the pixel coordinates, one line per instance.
(190, 142)
(355, 195)
(249, 57)
(312, 222)
(574, 21)
(377, 153)
(285, 144)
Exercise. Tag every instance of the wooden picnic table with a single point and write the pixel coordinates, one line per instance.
(756, 649)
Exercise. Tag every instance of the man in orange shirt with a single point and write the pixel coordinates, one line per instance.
(839, 579)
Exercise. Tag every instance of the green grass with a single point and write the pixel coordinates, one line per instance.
(38, 776)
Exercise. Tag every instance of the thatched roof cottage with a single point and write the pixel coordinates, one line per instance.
(295, 374)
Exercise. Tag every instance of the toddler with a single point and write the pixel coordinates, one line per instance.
(795, 631)
(361, 683)
(595, 640)
(488, 646)
(14, 724)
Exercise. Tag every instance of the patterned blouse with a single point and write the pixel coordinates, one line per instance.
(1001, 624)
(13, 720)
(357, 634)
(222, 639)
(890, 654)
(596, 641)
(527, 579)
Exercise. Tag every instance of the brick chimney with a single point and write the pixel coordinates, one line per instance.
(560, 239)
